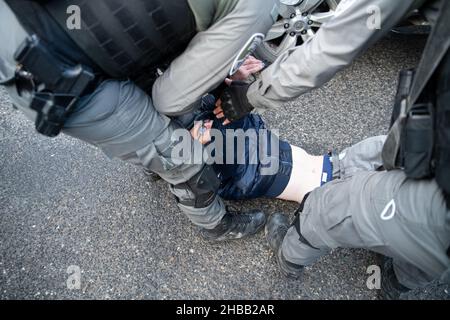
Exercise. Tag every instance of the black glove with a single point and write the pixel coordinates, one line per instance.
(235, 104)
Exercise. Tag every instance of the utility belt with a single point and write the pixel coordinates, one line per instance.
(54, 86)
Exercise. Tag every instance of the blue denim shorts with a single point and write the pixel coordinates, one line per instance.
(246, 181)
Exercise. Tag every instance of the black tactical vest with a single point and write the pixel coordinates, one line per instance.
(123, 39)
(442, 123)
(419, 139)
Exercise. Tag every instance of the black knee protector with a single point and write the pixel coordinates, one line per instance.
(297, 224)
(200, 191)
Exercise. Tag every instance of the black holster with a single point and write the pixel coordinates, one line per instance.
(55, 87)
(417, 133)
(417, 147)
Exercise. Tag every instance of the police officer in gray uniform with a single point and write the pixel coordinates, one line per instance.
(119, 80)
(403, 212)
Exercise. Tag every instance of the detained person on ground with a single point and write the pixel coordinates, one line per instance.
(253, 162)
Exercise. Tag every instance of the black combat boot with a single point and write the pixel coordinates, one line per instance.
(276, 229)
(391, 288)
(236, 225)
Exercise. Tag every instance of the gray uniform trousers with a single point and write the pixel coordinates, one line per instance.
(127, 124)
(385, 212)
(120, 119)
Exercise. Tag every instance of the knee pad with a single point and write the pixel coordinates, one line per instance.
(199, 191)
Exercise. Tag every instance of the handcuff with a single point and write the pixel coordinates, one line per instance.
(202, 131)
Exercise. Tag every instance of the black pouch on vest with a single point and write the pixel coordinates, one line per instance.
(418, 142)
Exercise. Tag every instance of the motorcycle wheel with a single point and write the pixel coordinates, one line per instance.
(296, 24)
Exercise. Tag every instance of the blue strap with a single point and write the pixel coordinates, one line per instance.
(327, 172)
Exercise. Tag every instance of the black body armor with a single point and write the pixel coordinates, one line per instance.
(60, 61)
(121, 39)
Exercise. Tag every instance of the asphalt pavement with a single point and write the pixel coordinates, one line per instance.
(64, 204)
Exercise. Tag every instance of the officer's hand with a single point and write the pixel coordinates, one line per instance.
(233, 104)
(250, 66)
